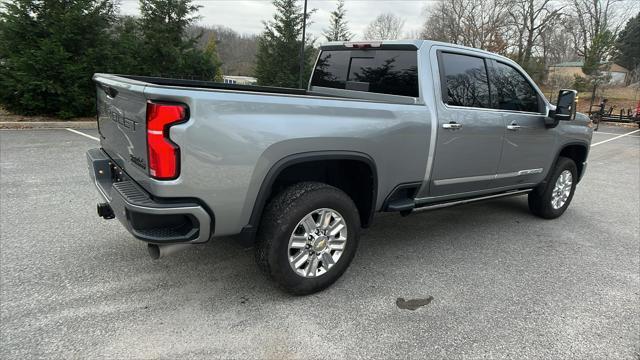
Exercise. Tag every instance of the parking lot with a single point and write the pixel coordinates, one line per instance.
(504, 283)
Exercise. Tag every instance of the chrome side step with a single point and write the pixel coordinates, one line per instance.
(419, 208)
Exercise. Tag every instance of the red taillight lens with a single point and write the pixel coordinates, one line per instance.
(164, 155)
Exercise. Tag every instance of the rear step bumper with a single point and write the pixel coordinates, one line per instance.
(148, 219)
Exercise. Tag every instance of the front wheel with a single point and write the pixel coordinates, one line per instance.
(552, 199)
(307, 237)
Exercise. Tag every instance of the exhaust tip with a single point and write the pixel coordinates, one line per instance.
(160, 251)
(154, 251)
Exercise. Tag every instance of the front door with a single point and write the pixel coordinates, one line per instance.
(526, 153)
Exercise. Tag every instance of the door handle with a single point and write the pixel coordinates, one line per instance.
(452, 126)
(513, 127)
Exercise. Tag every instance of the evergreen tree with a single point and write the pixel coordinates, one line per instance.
(628, 44)
(277, 61)
(127, 50)
(48, 52)
(166, 48)
(338, 30)
(211, 52)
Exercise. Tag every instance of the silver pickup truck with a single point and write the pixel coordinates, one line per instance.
(394, 126)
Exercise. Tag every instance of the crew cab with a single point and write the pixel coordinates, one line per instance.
(384, 126)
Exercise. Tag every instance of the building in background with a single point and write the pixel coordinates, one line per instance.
(616, 73)
(240, 80)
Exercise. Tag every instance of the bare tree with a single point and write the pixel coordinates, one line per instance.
(557, 41)
(598, 26)
(530, 19)
(385, 27)
(237, 51)
(476, 23)
(597, 31)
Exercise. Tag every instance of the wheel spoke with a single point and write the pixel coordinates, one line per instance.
(325, 219)
(337, 244)
(337, 226)
(312, 268)
(309, 225)
(299, 259)
(298, 242)
(327, 260)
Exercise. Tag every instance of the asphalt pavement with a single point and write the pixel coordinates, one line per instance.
(495, 281)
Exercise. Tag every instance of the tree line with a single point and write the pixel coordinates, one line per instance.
(50, 48)
(537, 33)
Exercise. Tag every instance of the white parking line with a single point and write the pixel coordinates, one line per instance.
(83, 134)
(614, 138)
(605, 133)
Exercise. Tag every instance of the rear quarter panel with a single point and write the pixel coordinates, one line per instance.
(233, 139)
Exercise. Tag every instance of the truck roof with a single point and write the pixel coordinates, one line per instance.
(417, 43)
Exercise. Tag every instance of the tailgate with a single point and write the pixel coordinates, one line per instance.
(121, 107)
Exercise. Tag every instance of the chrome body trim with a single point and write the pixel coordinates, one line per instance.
(471, 200)
(487, 177)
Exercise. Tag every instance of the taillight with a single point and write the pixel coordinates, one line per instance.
(164, 155)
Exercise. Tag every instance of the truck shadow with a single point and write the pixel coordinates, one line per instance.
(224, 266)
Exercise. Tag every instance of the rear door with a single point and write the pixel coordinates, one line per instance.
(470, 133)
(121, 107)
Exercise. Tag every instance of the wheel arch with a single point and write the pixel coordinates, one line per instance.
(576, 151)
(366, 205)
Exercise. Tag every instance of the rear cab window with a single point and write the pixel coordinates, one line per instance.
(464, 80)
(382, 71)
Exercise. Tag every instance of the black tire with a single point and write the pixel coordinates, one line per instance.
(280, 219)
(540, 199)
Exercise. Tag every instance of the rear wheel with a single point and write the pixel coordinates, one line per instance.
(308, 237)
(551, 200)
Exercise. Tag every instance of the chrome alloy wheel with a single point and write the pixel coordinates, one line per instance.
(561, 190)
(317, 242)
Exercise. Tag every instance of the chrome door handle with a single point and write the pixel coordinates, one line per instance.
(513, 127)
(452, 126)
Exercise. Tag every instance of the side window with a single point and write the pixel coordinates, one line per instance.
(331, 69)
(464, 80)
(393, 72)
(513, 91)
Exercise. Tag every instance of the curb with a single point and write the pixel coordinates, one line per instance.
(48, 125)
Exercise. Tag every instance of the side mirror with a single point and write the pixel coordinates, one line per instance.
(565, 108)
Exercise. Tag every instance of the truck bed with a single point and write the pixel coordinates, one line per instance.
(215, 85)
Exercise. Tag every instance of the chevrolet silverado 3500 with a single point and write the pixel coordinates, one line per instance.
(394, 126)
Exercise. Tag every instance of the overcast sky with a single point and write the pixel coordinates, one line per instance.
(246, 16)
